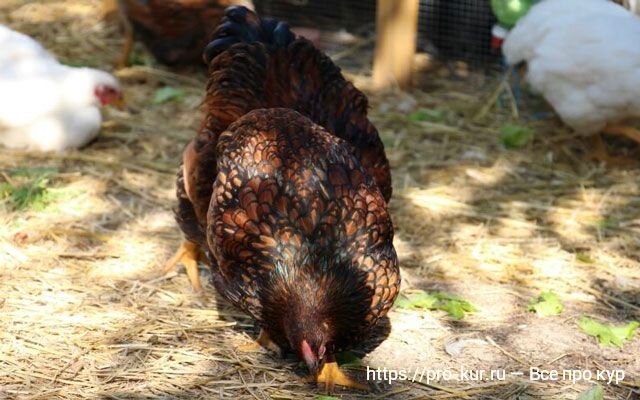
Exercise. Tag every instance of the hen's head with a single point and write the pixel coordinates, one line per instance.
(309, 338)
(109, 95)
(96, 87)
(313, 312)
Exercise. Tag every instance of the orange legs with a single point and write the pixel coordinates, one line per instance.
(123, 61)
(625, 131)
(599, 148)
(188, 254)
(263, 341)
(331, 375)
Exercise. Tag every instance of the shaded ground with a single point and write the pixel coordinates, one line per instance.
(84, 313)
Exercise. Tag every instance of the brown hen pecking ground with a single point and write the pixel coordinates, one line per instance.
(84, 314)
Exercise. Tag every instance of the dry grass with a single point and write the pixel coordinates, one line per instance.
(84, 314)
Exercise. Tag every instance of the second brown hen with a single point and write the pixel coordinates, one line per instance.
(174, 31)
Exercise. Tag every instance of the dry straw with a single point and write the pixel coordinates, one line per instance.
(84, 313)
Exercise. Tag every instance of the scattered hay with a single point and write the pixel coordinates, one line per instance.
(84, 313)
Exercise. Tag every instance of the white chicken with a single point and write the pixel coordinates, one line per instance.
(45, 105)
(583, 56)
(633, 6)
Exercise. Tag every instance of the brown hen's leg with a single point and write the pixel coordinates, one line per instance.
(600, 152)
(331, 375)
(263, 341)
(188, 254)
(123, 61)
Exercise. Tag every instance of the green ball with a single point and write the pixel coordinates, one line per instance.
(508, 12)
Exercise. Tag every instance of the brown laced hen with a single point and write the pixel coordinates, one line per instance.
(285, 189)
(174, 31)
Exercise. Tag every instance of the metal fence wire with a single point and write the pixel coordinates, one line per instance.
(451, 30)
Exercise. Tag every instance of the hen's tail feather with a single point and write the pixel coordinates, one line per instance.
(258, 63)
(240, 25)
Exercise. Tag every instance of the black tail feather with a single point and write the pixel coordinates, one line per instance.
(241, 25)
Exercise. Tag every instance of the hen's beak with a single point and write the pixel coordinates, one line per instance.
(310, 359)
(119, 103)
(314, 368)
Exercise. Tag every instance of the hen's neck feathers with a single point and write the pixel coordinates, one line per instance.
(310, 295)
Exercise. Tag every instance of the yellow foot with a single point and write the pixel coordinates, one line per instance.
(263, 341)
(252, 347)
(332, 375)
(599, 152)
(188, 254)
(625, 131)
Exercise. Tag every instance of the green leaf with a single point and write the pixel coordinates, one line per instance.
(30, 189)
(608, 223)
(626, 332)
(417, 300)
(137, 57)
(168, 93)
(546, 305)
(584, 258)
(608, 335)
(31, 172)
(455, 306)
(348, 359)
(515, 136)
(595, 393)
(425, 114)
(402, 302)
(326, 398)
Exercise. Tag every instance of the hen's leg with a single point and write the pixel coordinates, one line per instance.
(263, 341)
(625, 131)
(123, 61)
(600, 152)
(188, 254)
(331, 375)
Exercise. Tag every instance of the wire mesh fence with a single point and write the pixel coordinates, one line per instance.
(451, 30)
(457, 30)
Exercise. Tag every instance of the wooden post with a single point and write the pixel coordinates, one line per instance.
(396, 31)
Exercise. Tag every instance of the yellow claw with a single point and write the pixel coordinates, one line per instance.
(331, 375)
(188, 254)
(263, 341)
(622, 130)
(599, 152)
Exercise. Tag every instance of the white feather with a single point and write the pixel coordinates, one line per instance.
(45, 105)
(583, 56)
